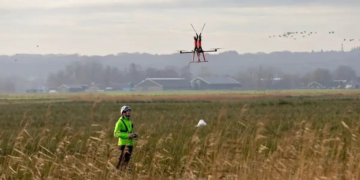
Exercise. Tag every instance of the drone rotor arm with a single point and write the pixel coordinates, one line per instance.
(183, 52)
(213, 50)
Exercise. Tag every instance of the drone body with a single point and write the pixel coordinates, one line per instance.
(198, 48)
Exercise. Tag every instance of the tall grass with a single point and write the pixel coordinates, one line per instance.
(289, 138)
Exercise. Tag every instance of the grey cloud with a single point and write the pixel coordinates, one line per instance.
(270, 3)
(234, 3)
(198, 4)
(20, 17)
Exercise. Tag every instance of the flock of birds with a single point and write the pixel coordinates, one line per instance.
(289, 35)
(303, 34)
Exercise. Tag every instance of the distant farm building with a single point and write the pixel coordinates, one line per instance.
(335, 84)
(66, 88)
(32, 91)
(215, 83)
(352, 84)
(96, 87)
(121, 86)
(163, 84)
(315, 85)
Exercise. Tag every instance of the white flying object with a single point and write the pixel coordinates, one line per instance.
(201, 123)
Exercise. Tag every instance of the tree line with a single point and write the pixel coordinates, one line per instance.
(255, 78)
(263, 77)
(89, 72)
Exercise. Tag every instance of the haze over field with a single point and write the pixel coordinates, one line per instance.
(108, 31)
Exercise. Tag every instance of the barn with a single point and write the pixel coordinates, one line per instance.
(315, 85)
(163, 84)
(65, 88)
(215, 83)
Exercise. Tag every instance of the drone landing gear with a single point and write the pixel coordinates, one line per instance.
(198, 56)
(201, 61)
(204, 57)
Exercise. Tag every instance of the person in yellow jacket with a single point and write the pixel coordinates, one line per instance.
(124, 131)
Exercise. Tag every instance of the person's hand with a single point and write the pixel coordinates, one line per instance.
(135, 136)
(131, 136)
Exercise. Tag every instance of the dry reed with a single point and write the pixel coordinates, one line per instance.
(289, 138)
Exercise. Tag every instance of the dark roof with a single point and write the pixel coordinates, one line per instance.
(357, 79)
(173, 83)
(168, 82)
(75, 86)
(100, 86)
(119, 85)
(353, 81)
(332, 83)
(218, 80)
(328, 84)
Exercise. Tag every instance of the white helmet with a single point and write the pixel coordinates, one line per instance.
(125, 108)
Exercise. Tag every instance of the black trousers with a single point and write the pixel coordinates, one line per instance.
(124, 158)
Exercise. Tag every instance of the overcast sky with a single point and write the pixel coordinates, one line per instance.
(163, 26)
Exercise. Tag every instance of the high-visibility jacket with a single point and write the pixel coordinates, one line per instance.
(123, 128)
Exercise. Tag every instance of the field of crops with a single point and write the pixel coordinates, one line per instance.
(120, 95)
(271, 136)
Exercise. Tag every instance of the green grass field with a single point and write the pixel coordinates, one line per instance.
(162, 93)
(286, 137)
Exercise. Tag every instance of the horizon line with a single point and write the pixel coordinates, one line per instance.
(155, 54)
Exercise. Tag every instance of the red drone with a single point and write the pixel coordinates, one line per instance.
(198, 48)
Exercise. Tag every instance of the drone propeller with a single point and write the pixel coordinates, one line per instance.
(194, 28)
(202, 28)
